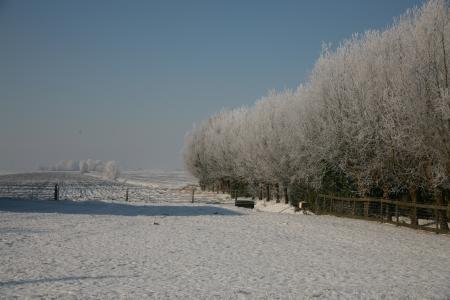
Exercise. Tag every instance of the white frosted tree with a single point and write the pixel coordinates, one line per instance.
(83, 167)
(375, 113)
(111, 170)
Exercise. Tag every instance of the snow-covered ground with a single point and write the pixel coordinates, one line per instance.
(96, 249)
(272, 206)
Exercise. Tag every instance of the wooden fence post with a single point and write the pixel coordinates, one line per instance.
(436, 215)
(193, 192)
(316, 204)
(366, 208)
(354, 208)
(413, 216)
(388, 207)
(126, 195)
(443, 220)
(56, 196)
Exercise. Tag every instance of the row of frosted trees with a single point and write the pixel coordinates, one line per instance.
(373, 119)
(109, 169)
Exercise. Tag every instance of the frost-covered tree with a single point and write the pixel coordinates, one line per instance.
(374, 115)
(65, 165)
(83, 166)
(111, 170)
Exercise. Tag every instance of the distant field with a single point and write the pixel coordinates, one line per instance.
(173, 179)
(54, 177)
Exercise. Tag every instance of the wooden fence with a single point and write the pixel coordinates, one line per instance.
(416, 215)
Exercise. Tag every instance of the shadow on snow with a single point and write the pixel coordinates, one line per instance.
(108, 208)
(51, 280)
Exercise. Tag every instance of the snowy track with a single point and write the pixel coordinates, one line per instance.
(110, 250)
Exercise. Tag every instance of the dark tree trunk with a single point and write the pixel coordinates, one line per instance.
(286, 195)
(413, 213)
(268, 192)
(277, 191)
(388, 207)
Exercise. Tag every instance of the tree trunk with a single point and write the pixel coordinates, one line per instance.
(442, 214)
(388, 207)
(445, 61)
(268, 192)
(277, 191)
(286, 195)
(260, 194)
(413, 213)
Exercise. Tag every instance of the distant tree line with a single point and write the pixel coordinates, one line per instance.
(109, 169)
(373, 119)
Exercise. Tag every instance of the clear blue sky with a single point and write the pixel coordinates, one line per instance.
(125, 80)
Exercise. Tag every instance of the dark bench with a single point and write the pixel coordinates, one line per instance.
(244, 203)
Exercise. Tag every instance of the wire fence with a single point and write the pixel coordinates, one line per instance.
(116, 192)
(28, 191)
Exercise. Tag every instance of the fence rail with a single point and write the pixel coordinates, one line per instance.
(416, 215)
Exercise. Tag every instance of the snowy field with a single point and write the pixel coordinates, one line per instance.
(98, 249)
(158, 178)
